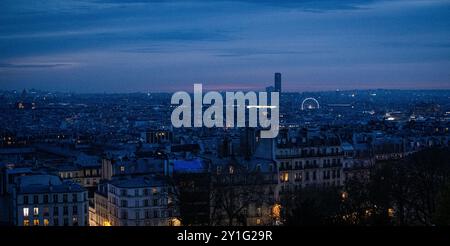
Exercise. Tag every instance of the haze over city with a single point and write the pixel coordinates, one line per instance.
(129, 46)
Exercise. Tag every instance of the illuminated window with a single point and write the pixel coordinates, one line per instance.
(285, 177)
(46, 222)
(258, 221)
(26, 222)
(36, 222)
(231, 169)
(391, 212)
(25, 212)
(122, 168)
(36, 211)
(175, 222)
(344, 195)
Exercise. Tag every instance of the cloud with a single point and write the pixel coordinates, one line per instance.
(267, 52)
(307, 5)
(35, 65)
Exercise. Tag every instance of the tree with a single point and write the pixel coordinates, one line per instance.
(238, 192)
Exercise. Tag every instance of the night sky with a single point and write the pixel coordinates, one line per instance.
(130, 46)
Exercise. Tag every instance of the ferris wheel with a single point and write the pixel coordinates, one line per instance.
(310, 103)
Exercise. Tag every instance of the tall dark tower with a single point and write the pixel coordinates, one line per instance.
(278, 82)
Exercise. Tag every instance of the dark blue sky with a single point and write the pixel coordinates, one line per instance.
(127, 46)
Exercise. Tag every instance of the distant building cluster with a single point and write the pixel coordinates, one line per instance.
(114, 159)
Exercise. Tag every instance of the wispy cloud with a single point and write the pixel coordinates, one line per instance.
(35, 65)
(267, 52)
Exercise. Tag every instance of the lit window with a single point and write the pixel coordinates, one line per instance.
(390, 212)
(36, 211)
(25, 212)
(258, 221)
(122, 168)
(344, 195)
(46, 222)
(285, 177)
(231, 169)
(26, 222)
(276, 211)
(36, 222)
(175, 222)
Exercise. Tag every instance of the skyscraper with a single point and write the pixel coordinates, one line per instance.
(278, 82)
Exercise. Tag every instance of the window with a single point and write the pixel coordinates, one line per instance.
(55, 211)
(146, 203)
(231, 169)
(122, 168)
(45, 198)
(26, 222)
(36, 222)
(258, 221)
(75, 221)
(74, 198)
(124, 203)
(65, 210)
(136, 203)
(155, 214)
(285, 177)
(25, 212)
(36, 211)
(46, 211)
(74, 210)
(124, 214)
(137, 215)
(219, 169)
(155, 202)
(65, 198)
(46, 222)
(55, 222)
(258, 167)
(35, 199)
(55, 198)
(25, 199)
(298, 177)
(136, 192)
(66, 221)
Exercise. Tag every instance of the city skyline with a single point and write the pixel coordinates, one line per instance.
(166, 46)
